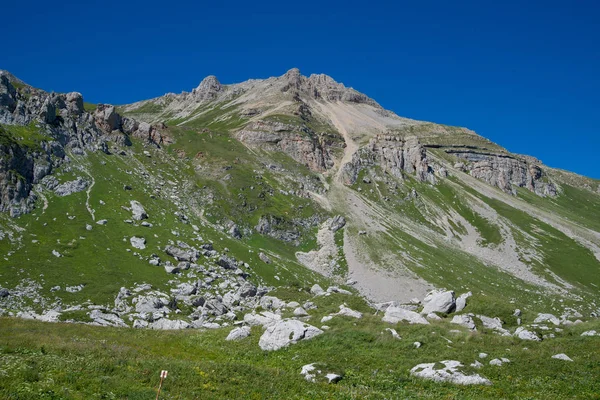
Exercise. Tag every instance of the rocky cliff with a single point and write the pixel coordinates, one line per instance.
(506, 171)
(38, 127)
(394, 155)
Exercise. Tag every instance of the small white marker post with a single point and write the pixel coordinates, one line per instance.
(163, 375)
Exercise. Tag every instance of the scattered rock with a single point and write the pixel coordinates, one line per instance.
(238, 333)
(439, 302)
(168, 324)
(138, 242)
(449, 373)
(138, 212)
(525, 334)
(541, 318)
(562, 356)
(586, 333)
(67, 188)
(461, 301)
(317, 290)
(394, 315)
(286, 332)
(464, 320)
(349, 312)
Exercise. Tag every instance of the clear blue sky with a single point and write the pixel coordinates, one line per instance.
(525, 74)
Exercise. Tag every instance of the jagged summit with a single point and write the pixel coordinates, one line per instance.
(208, 89)
(11, 78)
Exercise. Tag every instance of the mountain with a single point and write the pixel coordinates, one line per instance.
(193, 209)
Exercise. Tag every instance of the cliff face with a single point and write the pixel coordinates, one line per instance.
(300, 143)
(54, 123)
(394, 155)
(506, 171)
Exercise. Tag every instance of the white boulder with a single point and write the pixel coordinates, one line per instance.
(439, 302)
(238, 333)
(286, 332)
(394, 315)
(449, 373)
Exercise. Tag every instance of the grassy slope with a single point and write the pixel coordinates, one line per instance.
(48, 361)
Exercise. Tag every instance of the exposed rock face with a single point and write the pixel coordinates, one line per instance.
(208, 89)
(505, 171)
(67, 188)
(65, 124)
(276, 228)
(321, 86)
(394, 155)
(299, 142)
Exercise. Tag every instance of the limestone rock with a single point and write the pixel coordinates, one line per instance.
(67, 188)
(138, 212)
(448, 373)
(286, 332)
(439, 302)
(461, 301)
(238, 333)
(464, 320)
(394, 315)
(525, 334)
(562, 356)
(138, 242)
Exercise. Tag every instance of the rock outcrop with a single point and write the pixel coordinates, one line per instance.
(297, 141)
(57, 123)
(394, 155)
(506, 171)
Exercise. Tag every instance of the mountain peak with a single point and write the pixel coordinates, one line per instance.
(208, 88)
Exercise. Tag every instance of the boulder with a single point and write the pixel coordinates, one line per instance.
(168, 324)
(247, 290)
(448, 373)
(439, 302)
(180, 254)
(317, 290)
(263, 319)
(394, 315)
(271, 303)
(348, 312)
(461, 301)
(562, 356)
(285, 333)
(67, 188)
(541, 318)
(138, 242)
(138, 212)
(586, 333)
(525, 334)
(300, 312)
(464, 320)
(227, 262)
(238, 333)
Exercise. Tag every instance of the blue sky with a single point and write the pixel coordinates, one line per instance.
(524, 74)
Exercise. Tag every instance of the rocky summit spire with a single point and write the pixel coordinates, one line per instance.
(208, 88)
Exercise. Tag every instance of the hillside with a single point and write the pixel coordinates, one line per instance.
(200, 209)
